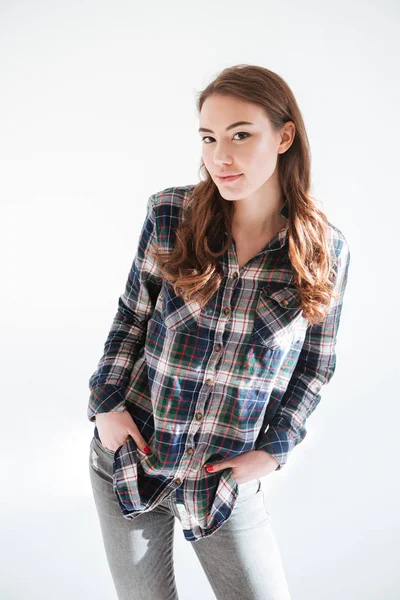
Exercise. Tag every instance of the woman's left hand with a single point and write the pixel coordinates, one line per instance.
(247, 466)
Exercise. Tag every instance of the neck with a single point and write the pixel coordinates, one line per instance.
(257, 217)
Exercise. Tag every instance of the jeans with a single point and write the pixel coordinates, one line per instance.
(241, 559)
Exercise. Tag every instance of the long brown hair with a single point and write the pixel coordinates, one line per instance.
(192, 268)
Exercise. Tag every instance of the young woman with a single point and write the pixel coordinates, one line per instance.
(222, 341)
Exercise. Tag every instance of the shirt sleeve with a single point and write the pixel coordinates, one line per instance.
(315, 367)
(128, 330)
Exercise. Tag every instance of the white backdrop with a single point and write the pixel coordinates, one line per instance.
(97, 112)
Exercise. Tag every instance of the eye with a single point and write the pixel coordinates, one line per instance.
(243, 133)
(238, 133)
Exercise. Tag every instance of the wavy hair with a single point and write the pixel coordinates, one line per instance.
(192, 268)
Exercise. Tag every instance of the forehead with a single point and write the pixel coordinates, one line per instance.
(220, 111)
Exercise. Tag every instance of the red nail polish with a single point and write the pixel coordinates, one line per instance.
(209, 468)
(147, 449)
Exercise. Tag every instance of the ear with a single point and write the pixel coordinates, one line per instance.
(287, 133)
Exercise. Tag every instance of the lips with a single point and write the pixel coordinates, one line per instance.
(228, 178)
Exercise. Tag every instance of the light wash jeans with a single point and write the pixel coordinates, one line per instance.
(241, 559)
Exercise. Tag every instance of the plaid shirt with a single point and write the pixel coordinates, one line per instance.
(206, 385)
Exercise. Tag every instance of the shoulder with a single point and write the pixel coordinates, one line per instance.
(167, 206)
(172, 197)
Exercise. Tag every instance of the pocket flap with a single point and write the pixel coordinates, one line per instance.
(287, 297)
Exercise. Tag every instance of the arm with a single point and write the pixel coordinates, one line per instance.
(128, 330)
(315, 367)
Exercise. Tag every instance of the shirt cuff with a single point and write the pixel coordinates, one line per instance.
(279, 443)
(105, 398)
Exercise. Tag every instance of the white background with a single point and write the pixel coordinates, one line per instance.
(97, 112)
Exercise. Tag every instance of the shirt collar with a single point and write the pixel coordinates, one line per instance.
(279, 240)
(285, 210)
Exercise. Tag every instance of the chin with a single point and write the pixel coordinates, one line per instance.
(232, 194)
(231, 199)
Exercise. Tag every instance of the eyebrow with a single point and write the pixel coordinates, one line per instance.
(227, 128)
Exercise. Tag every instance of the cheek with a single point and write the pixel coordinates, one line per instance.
(206, 156)
(261, 162)
(259, 153)
(263, 156)
(258, 158)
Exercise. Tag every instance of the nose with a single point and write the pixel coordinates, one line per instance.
(222, 157)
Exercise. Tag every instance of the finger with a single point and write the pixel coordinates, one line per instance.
(218, 466)
(139, 440)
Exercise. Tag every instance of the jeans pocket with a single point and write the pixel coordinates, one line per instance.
(249, 489)
(265, 503)
(101, 462)
(103, 448)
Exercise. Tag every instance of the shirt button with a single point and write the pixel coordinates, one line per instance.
(284, 302)
(199, 416)
(226, 310)
(209, 382)
(218, 347)
(190, 451)
(178, 481)
(235, 275)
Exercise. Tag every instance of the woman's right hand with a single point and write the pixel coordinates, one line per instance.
(114, 428)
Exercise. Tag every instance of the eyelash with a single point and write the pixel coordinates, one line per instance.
(238, 133)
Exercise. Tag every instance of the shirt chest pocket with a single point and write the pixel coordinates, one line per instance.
(178, 315)
(278, 317)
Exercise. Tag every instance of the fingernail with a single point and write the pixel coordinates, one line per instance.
(147, 449)
(209, 468)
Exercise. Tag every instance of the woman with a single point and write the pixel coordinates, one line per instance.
(221, 343)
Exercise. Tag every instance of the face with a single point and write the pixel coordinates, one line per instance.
(250, 150)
